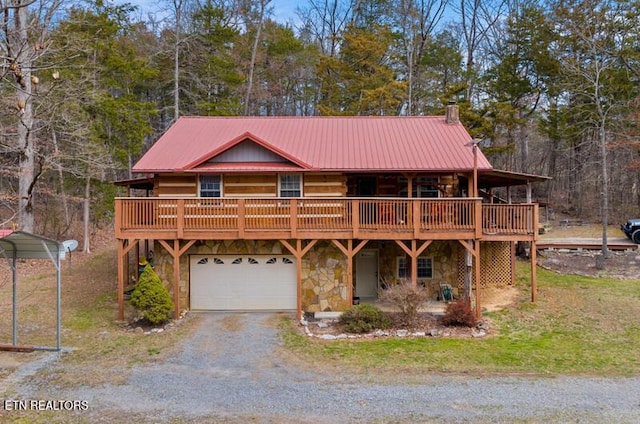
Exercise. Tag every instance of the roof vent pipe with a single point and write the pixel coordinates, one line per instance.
(451, 113)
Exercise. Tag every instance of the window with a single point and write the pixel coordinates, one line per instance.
(425, 267)
(402, 267)
(210, 186)
(422, 187)
(290, 185)
(428, 190)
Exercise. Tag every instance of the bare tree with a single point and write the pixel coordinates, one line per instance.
(325, 20)
(254, 19)
(596, 79)
(24, 41)
(477, 17)
(416, 21)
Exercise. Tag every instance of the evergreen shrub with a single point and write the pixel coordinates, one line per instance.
(151, 297)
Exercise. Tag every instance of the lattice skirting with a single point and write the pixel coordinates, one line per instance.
(496, 265)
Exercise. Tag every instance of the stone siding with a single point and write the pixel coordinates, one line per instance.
(445, 256)
(324, 279)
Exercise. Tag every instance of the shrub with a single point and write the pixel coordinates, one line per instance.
(151, 298)
(459, 313)
(363, 318)
(405, 297)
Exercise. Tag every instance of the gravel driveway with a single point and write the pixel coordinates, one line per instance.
(229, 371)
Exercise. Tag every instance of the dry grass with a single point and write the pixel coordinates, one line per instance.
(102, 349)
(581, 231)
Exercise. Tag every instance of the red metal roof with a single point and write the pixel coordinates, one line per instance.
(4, 233)
(413, 143)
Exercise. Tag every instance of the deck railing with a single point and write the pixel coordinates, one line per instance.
(333, 215)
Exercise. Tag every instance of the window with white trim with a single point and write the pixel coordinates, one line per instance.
(210, 186)
(425, 267)
(290, 185)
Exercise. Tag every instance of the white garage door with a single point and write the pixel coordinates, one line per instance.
(243, 282)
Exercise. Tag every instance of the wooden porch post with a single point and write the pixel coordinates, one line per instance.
(414, 265)
(534, 282)
(475, 169)
(413, 253)
(124, 247)
(176, 252)
(298, 251)
(350, 252)
(121, 247)
(137, 261)
(298, 255)
(176, 273)
(533, 254)
(476, 268)
(473, 246)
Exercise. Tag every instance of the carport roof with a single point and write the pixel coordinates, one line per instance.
(23, 245)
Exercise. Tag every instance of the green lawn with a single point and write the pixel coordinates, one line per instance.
(579, 326)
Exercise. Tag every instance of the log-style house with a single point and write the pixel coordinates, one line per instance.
(315, 213)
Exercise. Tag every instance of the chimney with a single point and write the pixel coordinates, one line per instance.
(451, 113)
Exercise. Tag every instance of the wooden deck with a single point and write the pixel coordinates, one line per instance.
(613, 243)
(323, 218)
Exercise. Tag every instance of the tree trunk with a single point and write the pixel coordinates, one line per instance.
(63, 193)
(605, 187)
(176, 64)
(254, 54)
(524, 143)
(86, 208)
(26, 144)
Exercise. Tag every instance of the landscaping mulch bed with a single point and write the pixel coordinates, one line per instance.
(426, 325)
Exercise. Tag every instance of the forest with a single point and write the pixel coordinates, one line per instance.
(548, 87)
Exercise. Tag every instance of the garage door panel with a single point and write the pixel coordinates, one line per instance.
(243, 282)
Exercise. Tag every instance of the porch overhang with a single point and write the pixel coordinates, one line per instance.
(499, 178)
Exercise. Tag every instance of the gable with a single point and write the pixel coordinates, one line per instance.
(247, 151)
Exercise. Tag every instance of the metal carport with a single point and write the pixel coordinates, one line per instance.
(16, 245)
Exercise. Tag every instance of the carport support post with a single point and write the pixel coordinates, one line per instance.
(59, 301)
(15, 299)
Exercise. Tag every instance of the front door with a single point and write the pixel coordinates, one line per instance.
(367, 274)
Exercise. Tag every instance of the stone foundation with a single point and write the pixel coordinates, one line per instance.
(324, 267)
(324, 279)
